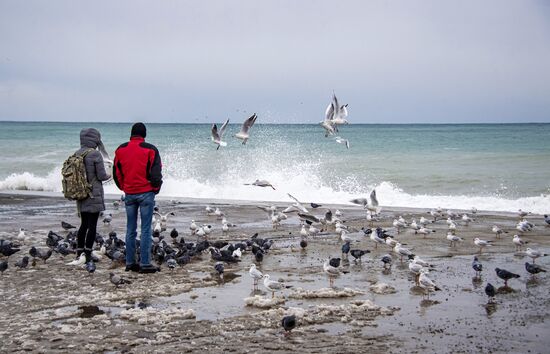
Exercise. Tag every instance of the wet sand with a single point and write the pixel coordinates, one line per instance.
(54, 307)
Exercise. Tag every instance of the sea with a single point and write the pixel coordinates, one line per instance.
(497, 167)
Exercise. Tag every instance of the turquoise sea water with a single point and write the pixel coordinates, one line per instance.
(490, 166)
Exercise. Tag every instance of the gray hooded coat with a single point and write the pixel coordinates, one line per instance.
(95, 171)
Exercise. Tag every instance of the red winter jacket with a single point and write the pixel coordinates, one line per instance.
(137, 167)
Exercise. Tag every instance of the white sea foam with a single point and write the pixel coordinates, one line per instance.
(306, 186)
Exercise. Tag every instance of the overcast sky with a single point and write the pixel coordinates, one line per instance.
(203, 61)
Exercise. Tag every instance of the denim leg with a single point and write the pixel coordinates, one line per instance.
(132, 205)
(146, 210)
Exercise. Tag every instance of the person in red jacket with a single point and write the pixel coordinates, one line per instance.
(137, 171)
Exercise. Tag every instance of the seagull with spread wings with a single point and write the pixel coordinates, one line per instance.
(217, 136)
(243, 134)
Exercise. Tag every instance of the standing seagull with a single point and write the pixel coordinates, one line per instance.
(256, 275)
(243, 134)
(217, 136)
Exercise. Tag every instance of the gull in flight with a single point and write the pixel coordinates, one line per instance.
(334, 115)
(372, 206)
(260, 183)
(298, 205)
(217, 136)
(340, 140)
(243, 134)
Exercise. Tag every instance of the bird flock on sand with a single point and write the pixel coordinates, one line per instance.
(172, 250)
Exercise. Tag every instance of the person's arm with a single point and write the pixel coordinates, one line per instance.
(155, 174)
(100, 172)
(117, 173)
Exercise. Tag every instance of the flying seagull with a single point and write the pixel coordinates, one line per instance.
(217, 136)
(243, 134)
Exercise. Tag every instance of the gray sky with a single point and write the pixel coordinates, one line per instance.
(202, 61)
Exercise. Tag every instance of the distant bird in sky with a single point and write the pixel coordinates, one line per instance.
(243, 133)
(217, 136)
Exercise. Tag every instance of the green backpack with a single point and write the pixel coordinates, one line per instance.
(75, 181)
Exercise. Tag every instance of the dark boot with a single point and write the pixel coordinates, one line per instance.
(88, 254)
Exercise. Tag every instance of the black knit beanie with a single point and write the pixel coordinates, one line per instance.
(139, 129)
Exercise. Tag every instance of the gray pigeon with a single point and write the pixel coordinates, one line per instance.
(118, 280)
(3, 267)
(22, 263)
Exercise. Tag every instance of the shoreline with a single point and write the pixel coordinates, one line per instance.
(243, 202)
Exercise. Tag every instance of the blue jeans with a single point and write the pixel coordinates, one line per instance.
(145, 202)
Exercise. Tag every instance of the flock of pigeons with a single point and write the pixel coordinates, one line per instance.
(179, 252)
(335, 115)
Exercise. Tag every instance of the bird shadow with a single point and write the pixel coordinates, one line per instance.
(386, 271)
(490, 308)
(427, 303)
(506, 290)
(532, 282)
(477, 282)
(417, 290)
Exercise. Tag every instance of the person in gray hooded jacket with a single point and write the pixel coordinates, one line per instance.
(89, 208)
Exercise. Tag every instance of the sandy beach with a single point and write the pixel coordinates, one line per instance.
(55, 307)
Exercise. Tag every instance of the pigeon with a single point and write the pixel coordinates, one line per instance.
(219, 269)
(387, 260)
(22, 263)
(35, 253)
(533, 268)
(477, 266)
(345, 249)
(107, 219)
(171, 263)
(174, 233)
(118, 280)
(505, 275)
(3, 266)
(90, 267)
(288, 323)
(357, 254)
(8, 251)
(315, 205)
(490, 292)
(67, 226)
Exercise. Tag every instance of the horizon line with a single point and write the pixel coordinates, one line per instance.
(259, 123)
